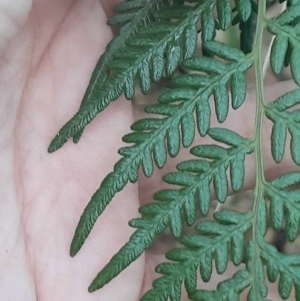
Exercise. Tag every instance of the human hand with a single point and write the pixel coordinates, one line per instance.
(47, 52)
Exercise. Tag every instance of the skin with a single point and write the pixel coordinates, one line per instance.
(47, 52)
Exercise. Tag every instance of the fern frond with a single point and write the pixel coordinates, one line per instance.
(143, 56)
(155, 39)
(167, 128)
(157, 53)
(194, 177)
(142, 10)
(224, 237)
(285, 121)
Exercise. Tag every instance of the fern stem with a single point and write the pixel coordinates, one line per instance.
(258, 191)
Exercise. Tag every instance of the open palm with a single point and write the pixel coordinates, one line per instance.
(47, 52)
(45, 69)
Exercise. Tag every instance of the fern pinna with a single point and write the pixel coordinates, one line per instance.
(154, 39)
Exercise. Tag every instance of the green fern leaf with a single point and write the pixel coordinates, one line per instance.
(287, 266)
(121, 19)
(258, 289)
(190, 35)
(284, 120)
(176, 223)
(173, 139)
(138, 242)
(225, 136)
(278, 53)
(220, 184)
(244, 8)
(295, 144)
(221, 102)
(285, 203)
(142, 13)
(189, 211)
(173, 57)
(247, 29)
(212, 151)
(147, 164)
(205, 64)
(224, 51)
(157, 64)
(164, 215)
(286, 180)
(289, 15)
(188, 129)
(208, 29)
(156, 39)
(200, 252)
(278, 137)
(237, 171)
(113, 183)
(203, 114)
(287, 100)
(160, 153)
(194, 186)
(290, 40)
(127, 70)
(224, 13)
(229, 289)
(144, 77)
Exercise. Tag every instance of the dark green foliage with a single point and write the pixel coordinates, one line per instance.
(155, 38)
(247, 29)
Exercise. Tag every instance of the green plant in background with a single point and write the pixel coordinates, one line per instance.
(155, 38)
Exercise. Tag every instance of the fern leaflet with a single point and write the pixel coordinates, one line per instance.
(142, 10)
(194, 177)
(167, 128)
(143, 56)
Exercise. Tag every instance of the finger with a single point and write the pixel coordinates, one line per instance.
(240, 121)
(13, 15)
